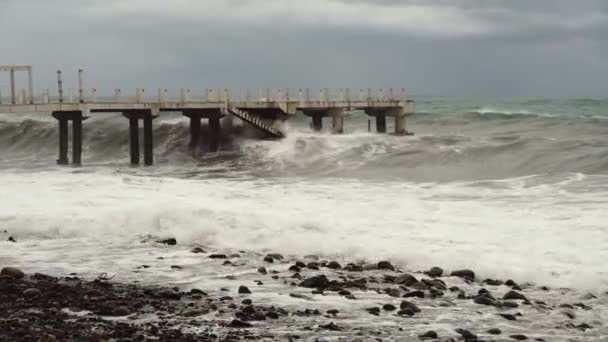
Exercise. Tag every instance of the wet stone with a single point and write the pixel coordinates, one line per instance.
(31, 292)
(519, 337)
(467, 335)
(435, 272)
(197, 250)
(406, 280)
(330, 326)
(389, 307)
(313, 266)
(465, 274)
(334, 265)
(374, 311)
(12, 272)
(417, 294)
(218, 256)
(514, 295)
(508, 317)
(239, 324)
(244, 290)
(429, 335)
(494, 331)
(170, 241)
(409, 305)
(385, 265)
(319, 282)
(262, 270)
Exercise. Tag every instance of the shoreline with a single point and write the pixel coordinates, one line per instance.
(281, 299)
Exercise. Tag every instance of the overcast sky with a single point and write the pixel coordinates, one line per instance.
(548, 48)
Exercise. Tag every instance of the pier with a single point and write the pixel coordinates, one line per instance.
(264, 109)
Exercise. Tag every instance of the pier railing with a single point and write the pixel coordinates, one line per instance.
(141, 95)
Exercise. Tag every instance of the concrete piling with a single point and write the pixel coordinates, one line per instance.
(134, 140)
(381, 123)
(214, 133)
(337, 117)
(148, 139)
(63, 141)
(62, 118)
(77, 139)
(317, 121)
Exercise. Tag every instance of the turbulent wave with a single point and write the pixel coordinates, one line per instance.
(460, 146)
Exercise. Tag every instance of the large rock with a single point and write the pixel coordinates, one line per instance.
(406, 279)
(465, 274)
(514, 295)
(316, 282)
(435, 272)
(12, 272)
(385, 265)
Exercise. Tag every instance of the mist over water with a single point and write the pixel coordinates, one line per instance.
(512, 189)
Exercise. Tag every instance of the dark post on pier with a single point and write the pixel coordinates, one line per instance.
(264, 113)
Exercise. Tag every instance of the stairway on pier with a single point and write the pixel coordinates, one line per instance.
(256, 122)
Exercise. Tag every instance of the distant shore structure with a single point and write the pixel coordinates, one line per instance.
(265, 109)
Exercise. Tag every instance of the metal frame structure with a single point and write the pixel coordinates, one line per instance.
(11, 70)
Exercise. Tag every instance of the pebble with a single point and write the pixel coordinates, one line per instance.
(244, 290)
(239, 324)
(197, 250)
(374, 311)
(483, 300)
(409, 305)
(508, 317)
(429, 335)
(418, 294)
(494, 331)
(514, 295)
(318, 282)
(406, 312)
(467, 335)
(31, 292)
(330, 326)
(464, 274)
(435, 272)
(385, 265)
(12, 272)
(262, 270)
(519, 337)
(334, 265)
(218, 256)
(389, 307)
(170, 242)
(406, 279)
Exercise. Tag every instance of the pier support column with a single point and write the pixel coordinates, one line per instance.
(77, 138)
(196, 136)
(63, 141)
(317, 121)
(134, 116)
(134, 140)
(77, 119)
(337, 118)
(381, 123)
(214, 133)
(399, 115)
(148, 139)
(195, 131)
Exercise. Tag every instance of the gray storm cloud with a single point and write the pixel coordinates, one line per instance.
(460, 47)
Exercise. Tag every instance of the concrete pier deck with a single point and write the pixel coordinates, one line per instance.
(265, 110)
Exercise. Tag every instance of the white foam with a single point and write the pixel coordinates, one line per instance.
(508, 229)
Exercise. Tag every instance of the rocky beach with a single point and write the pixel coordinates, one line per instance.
(272, 297)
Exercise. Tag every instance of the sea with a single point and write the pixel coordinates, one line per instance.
(511, 188)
